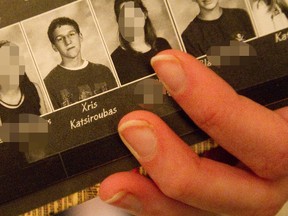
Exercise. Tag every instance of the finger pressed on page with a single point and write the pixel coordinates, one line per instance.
(255, 135)
(181, 175)
(140, 196)
(241, 126)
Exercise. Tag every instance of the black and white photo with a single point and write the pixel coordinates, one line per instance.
(70, 70)
(270, 15)
(135, 31)
(20, 87)
(75, 66)
(211, 23)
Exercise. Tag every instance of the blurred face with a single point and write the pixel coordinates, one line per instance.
(12, 66)
(207, 4)
(67, 41)
(131, 21)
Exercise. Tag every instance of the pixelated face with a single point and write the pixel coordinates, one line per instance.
(131, 21)
(30, 131)
(67, 41)
(12, 66)
(149, 93)
(207, 4)
(237, 54)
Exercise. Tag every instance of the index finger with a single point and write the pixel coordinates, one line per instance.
(255, 135)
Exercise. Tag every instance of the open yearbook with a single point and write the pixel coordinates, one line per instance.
(75, 68)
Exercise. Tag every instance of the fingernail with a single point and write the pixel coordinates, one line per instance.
(125, 201)
(139, 137)
(170, 72)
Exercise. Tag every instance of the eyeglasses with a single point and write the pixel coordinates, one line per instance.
(63, 38)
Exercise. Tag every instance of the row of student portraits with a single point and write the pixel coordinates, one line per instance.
(91, 46)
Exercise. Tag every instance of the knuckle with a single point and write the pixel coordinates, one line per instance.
(216, 115)
(211, 118)
(177, 188)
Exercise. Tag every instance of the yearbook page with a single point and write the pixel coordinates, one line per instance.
(71, 69)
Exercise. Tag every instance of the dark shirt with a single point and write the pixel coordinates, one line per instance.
(131, 65)
(11, 157)
(69, 86)
(200, 35)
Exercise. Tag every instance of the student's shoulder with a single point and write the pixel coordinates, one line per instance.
(162, 43)
(27, 84)
(119, 51)
(161, 40)
(52, 74)
(193, 27)
(98, 68)
(235, 12)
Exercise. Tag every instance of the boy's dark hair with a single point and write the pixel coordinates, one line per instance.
(58, 22)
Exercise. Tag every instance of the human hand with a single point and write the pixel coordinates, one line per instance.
(182, 183)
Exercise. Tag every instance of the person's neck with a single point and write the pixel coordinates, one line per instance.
(9, 90)
(139, 44)
(210, 14)
(10, 94)
(72, 62)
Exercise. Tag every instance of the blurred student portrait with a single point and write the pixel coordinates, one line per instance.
(216, 26)
(74, 78)
(138, 41)
(17, 93)
(270, 15)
